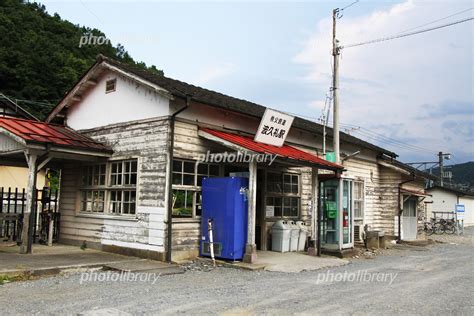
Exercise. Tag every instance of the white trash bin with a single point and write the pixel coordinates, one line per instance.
(294, 236)
(281, 237)
(303, 235)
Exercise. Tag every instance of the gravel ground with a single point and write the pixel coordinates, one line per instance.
(437, 279)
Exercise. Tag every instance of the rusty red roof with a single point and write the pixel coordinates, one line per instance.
(285, 151)
(41, 132)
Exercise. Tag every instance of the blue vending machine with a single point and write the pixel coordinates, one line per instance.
(224, 201)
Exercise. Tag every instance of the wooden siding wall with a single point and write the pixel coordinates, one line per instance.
(189, 145)
(381, 192)
(147, 141)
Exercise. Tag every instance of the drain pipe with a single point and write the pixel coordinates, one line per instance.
(170, 177)
(400, 210)
(211, 241)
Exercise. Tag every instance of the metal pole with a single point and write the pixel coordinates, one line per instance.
(335, 86)
(441, 167)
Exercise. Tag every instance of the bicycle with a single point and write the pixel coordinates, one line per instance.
(439, 227)
(450, 226)
(428, 227)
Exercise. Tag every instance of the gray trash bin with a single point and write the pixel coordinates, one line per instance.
(280, 237)
(303, 235)
(294, 235)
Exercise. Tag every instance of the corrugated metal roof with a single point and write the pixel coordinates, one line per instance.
(285, 151)
(40, 132)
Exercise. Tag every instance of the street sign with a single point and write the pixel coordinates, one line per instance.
(274, 128)
(331, 156)
(460, 211)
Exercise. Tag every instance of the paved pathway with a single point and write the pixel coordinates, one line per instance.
(437, 279)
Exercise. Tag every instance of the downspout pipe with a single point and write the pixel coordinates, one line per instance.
(400, 210)
(170, 177)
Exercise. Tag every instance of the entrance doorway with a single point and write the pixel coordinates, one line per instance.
(409, 218)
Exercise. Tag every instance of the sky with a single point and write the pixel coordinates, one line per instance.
(413, 95)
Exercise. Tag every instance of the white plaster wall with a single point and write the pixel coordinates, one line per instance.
(130, 101)
(442, 201)
(469, 209)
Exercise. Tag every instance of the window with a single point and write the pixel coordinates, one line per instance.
(93, 175)
(110, 85)
(274, 184)
(183, 172)
(93, 201)
(358, 197)
(283, 197)
(290, 183)
(187, 182)
(113, 194)
(276, 203)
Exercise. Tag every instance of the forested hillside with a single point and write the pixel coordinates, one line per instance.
(40, 57)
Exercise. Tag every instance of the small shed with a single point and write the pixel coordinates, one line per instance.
(34, 144)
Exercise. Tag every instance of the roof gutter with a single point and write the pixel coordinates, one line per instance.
(170, 177)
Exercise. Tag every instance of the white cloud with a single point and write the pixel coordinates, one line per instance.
(214, 72)
(394, 83)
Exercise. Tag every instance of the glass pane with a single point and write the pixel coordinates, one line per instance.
(199, 180)
(278, 211)
(127, 166)
(133, 178)
(203, 169)
(214, 170)
(113, 179)
(188, 179)
(177, 165)
(177, 178)
(189, 167)
(294, 188)
(134, 166)
(182, 203)
(198, 203)
(270, 201)
(102, 180)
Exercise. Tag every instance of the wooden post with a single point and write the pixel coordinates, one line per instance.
(29, 213)
(314, 214)
(251, 248)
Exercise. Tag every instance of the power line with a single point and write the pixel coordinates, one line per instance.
(425, 24)
(387, 140)
(386, 137)
(382, 39)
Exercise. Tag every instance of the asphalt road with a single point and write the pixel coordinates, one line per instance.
(437, 279)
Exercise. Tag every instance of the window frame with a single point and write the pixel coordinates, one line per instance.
(109, 187)
(283, 195)
(362, 199)
(195, 188)
(110, 81)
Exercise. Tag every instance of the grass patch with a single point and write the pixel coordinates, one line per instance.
(4, 278)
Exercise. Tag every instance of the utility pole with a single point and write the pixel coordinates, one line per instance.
(441, 167)
(335, 87)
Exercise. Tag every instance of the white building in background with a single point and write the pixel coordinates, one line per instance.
(444, 199)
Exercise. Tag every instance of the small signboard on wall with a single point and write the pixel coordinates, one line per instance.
(274, 128)
(460, 211)
(270, 211)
